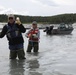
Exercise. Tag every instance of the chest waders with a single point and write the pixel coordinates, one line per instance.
(12, 32)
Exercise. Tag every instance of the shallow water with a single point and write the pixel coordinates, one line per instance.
(57, 56)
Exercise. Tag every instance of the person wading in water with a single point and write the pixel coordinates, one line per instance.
(13, 31)
(34, 35)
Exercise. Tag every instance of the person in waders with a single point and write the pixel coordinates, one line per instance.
(34, 35)
(13, 31)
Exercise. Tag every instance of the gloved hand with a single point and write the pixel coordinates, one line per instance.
(18, 21)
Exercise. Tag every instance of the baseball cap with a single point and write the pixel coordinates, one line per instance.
(34, 22)
(11, 16)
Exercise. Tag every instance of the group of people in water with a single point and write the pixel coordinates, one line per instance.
(13, 31)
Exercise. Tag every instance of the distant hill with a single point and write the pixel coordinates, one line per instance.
(66, 18)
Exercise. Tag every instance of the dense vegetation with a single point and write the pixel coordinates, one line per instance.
(66, 18)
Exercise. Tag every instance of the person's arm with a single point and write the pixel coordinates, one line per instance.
(28, 34)
(3, 32)
(38, 34)
(21, 28)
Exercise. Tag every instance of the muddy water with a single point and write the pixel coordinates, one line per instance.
(57, 56)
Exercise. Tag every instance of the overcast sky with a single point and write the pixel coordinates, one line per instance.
(38, 7)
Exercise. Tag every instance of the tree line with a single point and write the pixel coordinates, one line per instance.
(63, 18)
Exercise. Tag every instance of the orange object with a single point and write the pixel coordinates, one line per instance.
(29, 35)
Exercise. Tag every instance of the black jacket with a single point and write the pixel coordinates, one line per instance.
(16, 40)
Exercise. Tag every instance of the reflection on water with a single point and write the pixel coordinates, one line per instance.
(57, 56)
(35, 73)
(16, 67)
(33, 64)
(25, 67)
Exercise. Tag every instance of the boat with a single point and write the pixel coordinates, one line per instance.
(61, 29)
